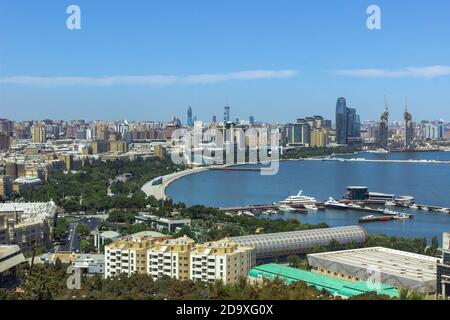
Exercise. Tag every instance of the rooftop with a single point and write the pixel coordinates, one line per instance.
(394, 262)
(332, 285)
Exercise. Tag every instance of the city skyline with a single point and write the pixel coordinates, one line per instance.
(278, 62)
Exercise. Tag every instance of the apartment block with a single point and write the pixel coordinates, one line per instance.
(127, 256)
(170, 258)
(220, 260)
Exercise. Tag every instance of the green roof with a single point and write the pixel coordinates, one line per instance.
(320, 281)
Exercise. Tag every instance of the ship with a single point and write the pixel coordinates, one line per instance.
(331, 203)
(311, 207)
(286, 208)
(373, 218)
(299, 199)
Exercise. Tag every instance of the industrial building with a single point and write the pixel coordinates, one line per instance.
(397, 268)
(336, 287)
(283, 244)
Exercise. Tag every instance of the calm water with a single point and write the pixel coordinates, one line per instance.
(429, 183)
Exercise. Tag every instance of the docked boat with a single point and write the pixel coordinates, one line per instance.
(390, 203)
(391, 213)
(425, 209)
(286, 208)
(335, 204)
(414, 206)
(373, 218)
(444, 210)
(299, 199)
(402, 216)
(354, 206)
(379, 151)
(311, 207)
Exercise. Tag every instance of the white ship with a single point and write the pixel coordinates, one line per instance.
(299, 199)
(286, 208)
(335, 204)
(311, 207)
(390, 203)
(380, 151)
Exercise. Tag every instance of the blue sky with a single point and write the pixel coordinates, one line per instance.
(276, 60)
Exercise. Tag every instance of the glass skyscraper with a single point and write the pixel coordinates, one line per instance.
(190, 121)
(341, 121)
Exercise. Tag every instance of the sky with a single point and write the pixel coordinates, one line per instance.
(276, 60)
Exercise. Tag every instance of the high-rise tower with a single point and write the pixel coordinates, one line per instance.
(226, 114)
(409, 127)
(190, 121)
(384, 126)
(341, 121)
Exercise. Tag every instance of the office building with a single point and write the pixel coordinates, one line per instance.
(223, 260)
(384, 130)
(341, 121)
(190, 120)
(283, 244)
(226, 114)
(297, 134)
(409, 130)
(396, 268)
(170, 258)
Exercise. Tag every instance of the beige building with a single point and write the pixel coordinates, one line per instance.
(38, 133)
(28, 225)
(319, 137)
(170, 258)
(127, 256)
(120, 146)
(221, 260)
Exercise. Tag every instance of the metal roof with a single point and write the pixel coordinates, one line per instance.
(297, 242)
(332, 285)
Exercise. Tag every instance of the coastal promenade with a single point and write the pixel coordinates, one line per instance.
(159, 191)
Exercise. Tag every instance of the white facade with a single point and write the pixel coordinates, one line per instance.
(119, 261)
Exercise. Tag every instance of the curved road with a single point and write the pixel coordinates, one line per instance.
(159, 191)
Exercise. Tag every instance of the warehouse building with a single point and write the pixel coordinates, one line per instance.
(397, 268)
(336, 287)
(284, 244)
